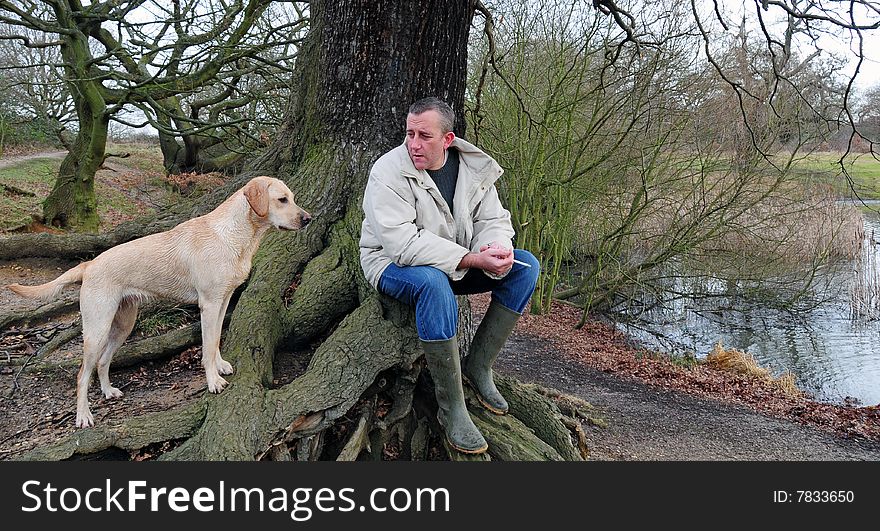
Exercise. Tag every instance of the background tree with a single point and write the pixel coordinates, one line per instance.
(213, 127)
(110, 61)
(35, 98)
(868, 116)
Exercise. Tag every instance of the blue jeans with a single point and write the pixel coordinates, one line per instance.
(433, 293)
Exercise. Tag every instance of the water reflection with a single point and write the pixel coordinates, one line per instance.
(832, 356)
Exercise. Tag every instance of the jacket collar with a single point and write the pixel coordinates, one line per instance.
(483, 167)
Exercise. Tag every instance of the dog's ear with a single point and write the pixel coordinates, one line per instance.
(257, 194)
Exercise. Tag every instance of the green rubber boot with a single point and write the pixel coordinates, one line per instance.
(490, 336)
(445, 367)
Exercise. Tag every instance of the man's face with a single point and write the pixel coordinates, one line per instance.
(425, 140)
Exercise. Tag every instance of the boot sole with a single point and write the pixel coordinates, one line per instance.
(492, 409)
(468, 451)
(495, 410)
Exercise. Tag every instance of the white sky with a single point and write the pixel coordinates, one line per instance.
(869, 71)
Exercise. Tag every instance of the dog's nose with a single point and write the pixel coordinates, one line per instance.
(306, 218)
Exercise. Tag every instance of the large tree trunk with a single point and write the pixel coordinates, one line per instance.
(364, 62)
(181, 156)
(190, 153)
(72, 202)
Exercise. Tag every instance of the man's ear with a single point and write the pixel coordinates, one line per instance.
(257, 194)
(447, 139)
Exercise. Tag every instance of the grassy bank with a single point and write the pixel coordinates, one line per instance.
(863, 169)
(24, 187)
(25, 184)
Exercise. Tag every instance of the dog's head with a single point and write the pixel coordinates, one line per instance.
(272, 202)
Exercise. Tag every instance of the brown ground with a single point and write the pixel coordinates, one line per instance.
(655, 409)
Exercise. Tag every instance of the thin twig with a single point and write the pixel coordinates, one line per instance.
(489, 31)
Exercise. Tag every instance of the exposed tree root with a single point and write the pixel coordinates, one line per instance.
(132, 434)
(572, 406)
(12, 189)
(132, 353)
(367, 356)
(320, 298)
(540, 415)
(61, 338)
(360, 438)
(341, 370)
(49, 310)
(577, 430)
(402, 396)
(511, 440)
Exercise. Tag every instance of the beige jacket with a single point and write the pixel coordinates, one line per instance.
(407, 222)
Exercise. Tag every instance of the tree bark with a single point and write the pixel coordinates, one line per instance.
(191, 154)
(173, 154)
(72, 202)
(363, 63)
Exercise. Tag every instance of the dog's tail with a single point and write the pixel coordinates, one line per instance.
(50, 290)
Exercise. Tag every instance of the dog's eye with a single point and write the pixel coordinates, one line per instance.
(282, 199)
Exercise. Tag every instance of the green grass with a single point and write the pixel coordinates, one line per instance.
(114, 206)
(862, 168)
(37, 176)
(142, 156)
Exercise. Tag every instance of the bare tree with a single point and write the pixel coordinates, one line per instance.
(868, 115)
(213, 127)
(118, 53)
(33, 86)
(794, 35)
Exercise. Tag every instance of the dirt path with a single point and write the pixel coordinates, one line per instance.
(650, 424)
(16, 159)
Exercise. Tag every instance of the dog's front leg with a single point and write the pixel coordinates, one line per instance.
(212, 324)
(223, 366)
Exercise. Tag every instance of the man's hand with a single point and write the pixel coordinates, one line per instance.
(493, 245)
(492, 258)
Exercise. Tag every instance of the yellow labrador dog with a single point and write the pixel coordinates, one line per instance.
(201, 260)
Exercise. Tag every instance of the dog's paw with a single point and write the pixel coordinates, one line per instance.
(224, 367)
(85, 420)
(215, 385)
(113, 392)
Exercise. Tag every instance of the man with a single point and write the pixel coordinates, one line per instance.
(435, 228)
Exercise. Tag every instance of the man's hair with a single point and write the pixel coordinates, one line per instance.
(447, 115)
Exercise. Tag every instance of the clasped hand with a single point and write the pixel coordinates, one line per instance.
(495, 258)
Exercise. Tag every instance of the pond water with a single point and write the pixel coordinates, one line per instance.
(834, 357)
